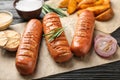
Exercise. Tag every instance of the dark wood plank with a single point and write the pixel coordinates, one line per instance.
(105, 72)
(8, 5)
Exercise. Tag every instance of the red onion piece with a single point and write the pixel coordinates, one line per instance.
(105, 45)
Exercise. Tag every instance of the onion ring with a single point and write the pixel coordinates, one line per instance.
(105, 45)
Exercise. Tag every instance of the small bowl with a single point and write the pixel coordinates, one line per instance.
(27, 15)
(5, 24)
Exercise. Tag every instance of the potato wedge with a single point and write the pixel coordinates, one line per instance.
(78, 1)
(72, 6)
(63, 3)
(106, 2)
(90, 3)
(106, 15)
(99, 9)
(99, 2)
(83, 6)
(85, 3)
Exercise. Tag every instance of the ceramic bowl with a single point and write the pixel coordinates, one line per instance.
(5, 24)
(27, 15)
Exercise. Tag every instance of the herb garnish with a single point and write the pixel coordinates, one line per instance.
(46, 9)
(54, 34)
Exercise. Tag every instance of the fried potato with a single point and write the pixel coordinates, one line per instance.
(106, 15)
(101, 8)
(85, 3)
(72, 6)
(89, 4)
(106, 2)
(83, 6)
(98, 9)
(78, 1)
(63, 4)
(99, 2)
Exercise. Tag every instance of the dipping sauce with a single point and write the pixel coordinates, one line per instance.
(29, 5)
(5, 19)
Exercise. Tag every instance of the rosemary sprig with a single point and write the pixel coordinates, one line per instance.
(44, 12)
(57, 10)
(53, 34)
(46, 9)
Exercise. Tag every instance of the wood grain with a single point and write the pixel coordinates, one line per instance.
(105, 72)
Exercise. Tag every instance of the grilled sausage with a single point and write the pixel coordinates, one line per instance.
(82, 39)
(27, 53)
(59, 47)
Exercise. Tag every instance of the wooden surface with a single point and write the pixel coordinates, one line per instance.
(105, 72)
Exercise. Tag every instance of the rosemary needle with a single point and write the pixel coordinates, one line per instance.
(53, 34)
(46, 9)
(44, 12)
(57, 10)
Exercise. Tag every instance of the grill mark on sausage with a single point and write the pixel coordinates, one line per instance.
(60, 45)
(52, 20)
(81, 42)
(27, 53)
(50, 17)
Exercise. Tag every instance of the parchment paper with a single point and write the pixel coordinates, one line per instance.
(107, 26)
(46, 65)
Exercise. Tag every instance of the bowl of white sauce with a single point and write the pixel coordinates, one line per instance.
(28, 9)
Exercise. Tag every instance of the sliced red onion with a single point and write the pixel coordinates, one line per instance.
(105, 45)
(98, 36)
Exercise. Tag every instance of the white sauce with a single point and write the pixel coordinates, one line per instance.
(29, 5)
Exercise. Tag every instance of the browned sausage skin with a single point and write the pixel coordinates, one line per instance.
(59, 47)
(82, 39)
(27, 53)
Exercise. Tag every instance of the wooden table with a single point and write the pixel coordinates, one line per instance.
(105, 72)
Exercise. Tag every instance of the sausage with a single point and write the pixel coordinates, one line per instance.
(59, 48)
(82, 38)
(27, 52)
